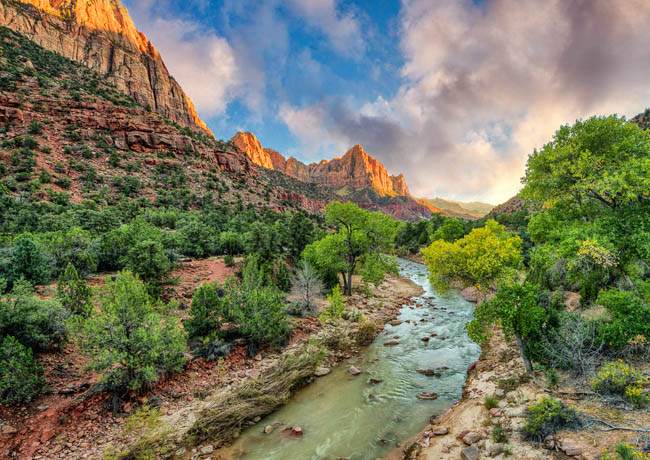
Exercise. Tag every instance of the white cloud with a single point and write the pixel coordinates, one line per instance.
(342, 29)
(483, 86)
(203, 62)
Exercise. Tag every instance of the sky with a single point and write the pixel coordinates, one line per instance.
(454, 94)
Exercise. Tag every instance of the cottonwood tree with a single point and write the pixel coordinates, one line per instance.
(483, 258)
(360, 236)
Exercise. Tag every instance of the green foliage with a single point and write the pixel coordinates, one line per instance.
(623, 451)
(546, 417)
(358, 234)
(21, 377)
(148, 260)
(483, 258)
(615, 377)
(142, 343)
(208, 311)
(36, 323)
(515, 308)
(491, 402)
(253, 308)
(36, 128)
(499, 433)
(605, 159)
(28, 261)
(629, 317)
(451, 231)
(73, 292)
(336, 308)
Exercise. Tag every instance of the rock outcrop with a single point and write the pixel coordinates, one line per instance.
(101, 35)
(250, 145)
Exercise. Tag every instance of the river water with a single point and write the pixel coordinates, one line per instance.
(345, 416)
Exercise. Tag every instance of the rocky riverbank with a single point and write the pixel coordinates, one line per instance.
(184, 432)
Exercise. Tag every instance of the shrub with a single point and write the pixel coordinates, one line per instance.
(336, 307)
(615, 377)
(148, 260)
(229, 260)
(491, 402)
(546, 417)
(142, 343)
(208, 311)
(630, 316)
(21, 377)
(73, 292)
(499, 433)
(36, 323)
(29, 261)
(623, 451)
(36, 128)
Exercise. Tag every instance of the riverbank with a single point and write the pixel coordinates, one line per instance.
(500, 373)
(183, 434)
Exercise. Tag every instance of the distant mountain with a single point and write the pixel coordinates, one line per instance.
(101, 35)
(356, 176)
(459, 209)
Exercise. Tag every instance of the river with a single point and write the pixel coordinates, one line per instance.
(345, 416)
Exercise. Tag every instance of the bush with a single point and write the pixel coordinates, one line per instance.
(618, 378)
(29, 261)
(36, 323)
(546, 417)
(336, 308)
(630, 316)
(148, 260)
(623, 451)
(73, 292)
(142, 343)
(229, 260)
(21, 377)
(208, 311)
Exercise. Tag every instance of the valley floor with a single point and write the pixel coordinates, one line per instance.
(73, 423)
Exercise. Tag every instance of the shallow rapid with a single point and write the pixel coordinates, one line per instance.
(343, 416)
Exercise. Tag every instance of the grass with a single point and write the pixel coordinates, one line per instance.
(491, 402)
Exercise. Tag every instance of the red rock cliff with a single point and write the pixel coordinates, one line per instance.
(101, 35)
(250, 145)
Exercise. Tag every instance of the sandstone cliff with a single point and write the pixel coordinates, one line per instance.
(250, 145)
(101, 35)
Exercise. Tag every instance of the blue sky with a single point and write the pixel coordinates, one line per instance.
(453, 93)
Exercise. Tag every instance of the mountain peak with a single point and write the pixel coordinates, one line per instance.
(251, 146)
(77, 29)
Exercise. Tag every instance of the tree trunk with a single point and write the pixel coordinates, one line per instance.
(349, 286)
(527, 363)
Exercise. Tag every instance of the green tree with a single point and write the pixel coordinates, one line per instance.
(208, 311)
(21, 377)
(516, 309)
(129, 341)
(301, 233)
(73, 292)
(450, 231)
(483, 258)
(358, 234)
(605, 160)
(30, 262)
(148, 260)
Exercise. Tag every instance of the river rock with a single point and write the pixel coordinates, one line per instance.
(570, 449)
(496, 412)
(471, 438)
(375, 381)
(354, 371)
(391, 343)
(395, 322)
(296, 431)
(321, 371)
(470, 453)
(428, 396)
(425, 339)
(440, 431)
(205, 450)
(428, 372)
(268, 429)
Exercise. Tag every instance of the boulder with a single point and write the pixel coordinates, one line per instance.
(428, 396)
(440, 431)
(471, 438)
(354, 371)
(321, 371)
(470, 453)
(391, 343)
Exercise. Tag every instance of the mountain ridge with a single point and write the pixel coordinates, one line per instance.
(101, 35)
